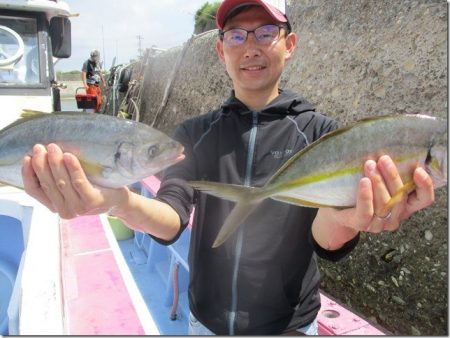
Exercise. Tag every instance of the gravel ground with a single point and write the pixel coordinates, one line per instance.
(398, 280)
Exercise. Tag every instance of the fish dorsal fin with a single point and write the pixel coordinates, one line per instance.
(29, 114)
(325, 137)
(4, 183)
(26, 115)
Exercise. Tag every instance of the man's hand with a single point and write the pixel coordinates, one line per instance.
(332, 228)
(386, 183)
(58, 181)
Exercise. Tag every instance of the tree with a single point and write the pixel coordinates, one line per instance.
(205, 17)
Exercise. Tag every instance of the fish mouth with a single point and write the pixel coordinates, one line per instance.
(180, 149)
(179, 158)
(174, 156)
(175, 146)
(164, 163)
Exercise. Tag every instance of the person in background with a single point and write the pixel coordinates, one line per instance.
(264, 279)
(91, 75)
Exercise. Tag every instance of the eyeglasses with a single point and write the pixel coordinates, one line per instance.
(264, 35)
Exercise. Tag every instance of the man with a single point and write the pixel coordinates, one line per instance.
(264, 279)
(91, 74)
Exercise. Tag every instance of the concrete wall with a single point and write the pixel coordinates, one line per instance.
(355, 58)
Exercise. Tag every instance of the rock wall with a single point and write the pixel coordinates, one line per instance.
(359, 57)
(355, 58)
(191, 78)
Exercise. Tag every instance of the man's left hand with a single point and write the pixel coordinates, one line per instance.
(375, 191)
(332, 228)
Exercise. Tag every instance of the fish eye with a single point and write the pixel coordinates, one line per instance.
(153, 151)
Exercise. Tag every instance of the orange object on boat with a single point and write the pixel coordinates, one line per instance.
(91, 100)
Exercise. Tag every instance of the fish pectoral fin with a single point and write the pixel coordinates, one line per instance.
(398, 196)
(92, 169)
(233, 221)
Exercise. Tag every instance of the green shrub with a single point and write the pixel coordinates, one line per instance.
(205, 17)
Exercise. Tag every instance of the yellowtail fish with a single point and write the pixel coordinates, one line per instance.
(327, 172)
(113, 152)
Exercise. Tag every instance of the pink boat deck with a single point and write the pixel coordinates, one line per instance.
(97, 302)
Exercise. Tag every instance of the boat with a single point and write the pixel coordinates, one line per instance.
(83, 276)
(33, 34)
(77, 277)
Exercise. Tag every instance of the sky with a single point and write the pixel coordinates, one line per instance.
(113, 27)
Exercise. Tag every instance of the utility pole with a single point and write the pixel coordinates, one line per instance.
(117, 51)
(104, 54)
(140, 38)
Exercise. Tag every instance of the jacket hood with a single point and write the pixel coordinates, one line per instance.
(287, 103)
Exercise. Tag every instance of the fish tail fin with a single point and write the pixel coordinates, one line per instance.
(230, 192)
(237, 216)
(246, 198)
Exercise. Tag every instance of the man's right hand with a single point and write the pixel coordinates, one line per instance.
(58, 181)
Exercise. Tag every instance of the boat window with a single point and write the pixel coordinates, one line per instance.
(19, 54)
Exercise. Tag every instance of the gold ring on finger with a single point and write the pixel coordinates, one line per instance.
(384, 218)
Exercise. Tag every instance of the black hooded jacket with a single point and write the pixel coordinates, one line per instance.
(264, 279)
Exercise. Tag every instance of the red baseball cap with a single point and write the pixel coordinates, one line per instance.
(276, 9)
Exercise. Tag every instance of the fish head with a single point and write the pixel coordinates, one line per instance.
(152, 157)
(436, 164)
(145, 154)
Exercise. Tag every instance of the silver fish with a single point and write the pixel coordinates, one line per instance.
(113, 152)
(326, 173)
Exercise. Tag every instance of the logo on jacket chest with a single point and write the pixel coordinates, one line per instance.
(277, 154)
